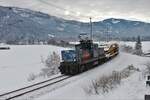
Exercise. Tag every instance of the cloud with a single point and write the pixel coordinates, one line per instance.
(82, 9)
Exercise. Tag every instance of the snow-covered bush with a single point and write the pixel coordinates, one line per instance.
(137, 50)
(125, 73)
(147, 71)
(106, 83)
(148, 67)
(89, 89)
(126, 48)
(31, 77)
(52, 63)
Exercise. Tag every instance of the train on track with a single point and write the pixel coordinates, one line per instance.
(86, 55)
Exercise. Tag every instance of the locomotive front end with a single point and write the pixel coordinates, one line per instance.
(69, 62)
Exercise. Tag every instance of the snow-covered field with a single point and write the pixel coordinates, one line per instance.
(17, 63)
(132, 88)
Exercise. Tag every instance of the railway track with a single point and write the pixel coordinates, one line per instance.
(32, 88)
(28, 89)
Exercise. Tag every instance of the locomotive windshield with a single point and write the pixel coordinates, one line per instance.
(68, 55)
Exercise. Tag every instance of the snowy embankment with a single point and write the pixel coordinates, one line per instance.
(19, 62)
(145, 45)
(132, 88)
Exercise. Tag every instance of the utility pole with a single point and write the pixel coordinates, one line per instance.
(108, 31)
(91, 33)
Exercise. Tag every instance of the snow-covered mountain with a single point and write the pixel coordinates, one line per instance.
(17, 24)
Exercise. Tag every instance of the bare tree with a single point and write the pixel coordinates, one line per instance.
(126, 48)
(52, 63)
(32, 77)
(106, 83)
(147, 68)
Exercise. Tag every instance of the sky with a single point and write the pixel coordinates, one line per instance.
(81, 10)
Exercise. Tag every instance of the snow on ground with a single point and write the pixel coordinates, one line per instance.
(17, 63)
(132, 88)
(128, 90)
(21, 60)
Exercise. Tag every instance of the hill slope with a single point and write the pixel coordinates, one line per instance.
(18, 24)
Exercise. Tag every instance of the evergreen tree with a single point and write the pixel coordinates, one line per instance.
(138, 46)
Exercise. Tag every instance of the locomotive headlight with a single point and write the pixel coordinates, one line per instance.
(107, 55)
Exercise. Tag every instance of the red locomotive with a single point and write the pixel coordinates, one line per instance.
(86, 55)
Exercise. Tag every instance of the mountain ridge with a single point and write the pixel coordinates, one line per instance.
(19, 24)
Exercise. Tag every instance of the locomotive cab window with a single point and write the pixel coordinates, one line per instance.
(68, 55)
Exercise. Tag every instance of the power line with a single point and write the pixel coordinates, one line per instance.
(70, 11)
(64, 9)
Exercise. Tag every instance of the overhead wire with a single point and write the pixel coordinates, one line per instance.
(71, 12)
